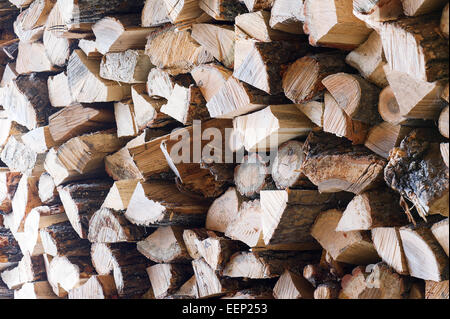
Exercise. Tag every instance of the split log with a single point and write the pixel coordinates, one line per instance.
(286, 166)
(287, 16)
(389, 247)
(78, 119)
(168, 278)
(292, 286)
(33, 58)
(61, 239)
(120, 166)
(161, 203)
(373, 12)
(443, 122)
(130, 66)
(89, 48)
(187, 291)
(417, 171)
(257, 26)
(182, 11)
(19, 157)
(29, 25)
(369, 60)
(336, 121)
(444, 21)
(81, 201)
(186, 104)
(374, 208)
(356, 96)
(252, 175)
(165, 245)
(223, 10)
(415, 38)
(326, 27)
(272, 126)
(191, 237)
(126, 264)
(426, 258)
(208, 283)
(217, 40)
(436, 290)
(39, 139)
(390, 110)
(21, 3)
(327, 291)
(265, 264)
(111, 226)
(58, 90)
(67, 273)
(303, 79)
(26, 100)
(9, 74)
(420, 7)
(28, 237)
(81, 157)
(317, 274)
(210, 78)
(120, 194)
(24, 200)
(216, 250)
(8, 186)
(440, 232)
(354, 247)
(47, 190)
(96, 287)
(333, 164)
(288, 216)
(29, 269)
(58, 49)
(417, 99)
(259, 67)
(176, 52)
(147, 110)
(9, 248)
(35, 290)
(154, 13)
(125, 119)
(78, 16)
(378, 283)
(236, 98)
(223, 210)
(382, 138)
(247, 225)
(86, 84)
(161, 84)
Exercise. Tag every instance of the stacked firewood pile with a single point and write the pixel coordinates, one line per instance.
(314, 136)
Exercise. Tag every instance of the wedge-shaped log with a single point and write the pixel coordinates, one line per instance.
(389, 247)
(272, 126)
(303, 79)
(81, 200)
(58, 90)
(426, 258)
(125, 263)
(287, 16)
(180, 11)
(33, 58)
(29, 269)
(86, 84)
(177, 52)
(292, 286)
(417, 99)
(165, 245)
(154, 13)
(373, 12)
(35, 290)
(369, 60)
(8, 186)
(288, 216)
(326, 27)
(96, 287)
(130, 66)
(111, 226)
(415, 38)
(168, 278)
(440, 232)
(417, 171)
(383, 137)
(333, 164)
(81, 157)
(354, 247)
(210, 78)
(161, 203)
(9, 248)
(29, 25)
(223, 210)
